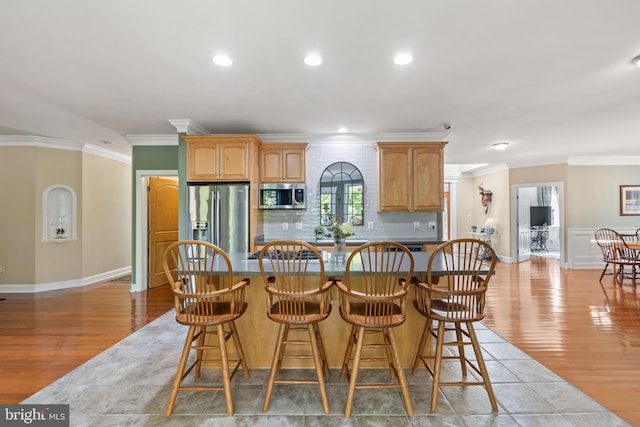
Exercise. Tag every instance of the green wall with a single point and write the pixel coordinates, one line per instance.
(157, 157)
(153, 158)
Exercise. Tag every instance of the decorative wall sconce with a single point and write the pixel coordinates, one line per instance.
(485, 198)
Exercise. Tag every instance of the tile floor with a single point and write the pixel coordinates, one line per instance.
(129, 384)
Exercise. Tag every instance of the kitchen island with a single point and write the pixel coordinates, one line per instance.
(258, 333)
(243, 265)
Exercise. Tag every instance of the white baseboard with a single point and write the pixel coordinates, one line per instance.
(66, 284)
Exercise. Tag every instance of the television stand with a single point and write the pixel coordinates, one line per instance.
(539, 237)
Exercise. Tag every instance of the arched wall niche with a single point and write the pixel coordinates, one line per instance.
(59, 214)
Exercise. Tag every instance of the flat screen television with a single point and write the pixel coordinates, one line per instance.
(539, 216)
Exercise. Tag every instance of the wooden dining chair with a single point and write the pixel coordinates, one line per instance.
(372, 299)
(629, 256)
(298, 299)
(453, 303)
(604, 239)
(208, 301)
(616, 252)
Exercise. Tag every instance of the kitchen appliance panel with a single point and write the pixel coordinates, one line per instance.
(282, 196)
(233, 213)
(219, 214)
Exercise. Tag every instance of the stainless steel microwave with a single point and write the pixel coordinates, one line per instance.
(282, 196)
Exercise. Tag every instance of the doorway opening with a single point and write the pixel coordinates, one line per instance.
(141, 264)
(538, 221)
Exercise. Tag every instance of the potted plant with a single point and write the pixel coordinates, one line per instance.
(320, 232)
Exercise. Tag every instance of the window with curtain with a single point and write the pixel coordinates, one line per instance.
(548, 196)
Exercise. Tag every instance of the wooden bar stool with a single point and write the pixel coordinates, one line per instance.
(298, 301)
(208, 302)
(372, 299)
(455, 299)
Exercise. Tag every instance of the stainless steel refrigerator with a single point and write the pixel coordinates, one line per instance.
(219, 213)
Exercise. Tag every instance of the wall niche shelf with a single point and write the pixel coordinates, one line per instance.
(59, 212)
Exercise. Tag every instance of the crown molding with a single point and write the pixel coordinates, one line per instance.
(153, 139)
(188, 126)
(603, 160)
(59, 144)
(354, 137)
(485, 170)
(454, 171)
(40, 142)
(569, 161)
(537, 162)
(101, 152)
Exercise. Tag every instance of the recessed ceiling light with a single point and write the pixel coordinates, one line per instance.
(312, 60)
(500, 145)
(343, 130)
(222, 60)
(403, 59)
(636, 61)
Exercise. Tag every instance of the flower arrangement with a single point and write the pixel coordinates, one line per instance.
(341, 230)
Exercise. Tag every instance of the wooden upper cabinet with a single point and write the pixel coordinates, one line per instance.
(410, 176)
(283, 162)
(221, 157)
(394, 175)
(428, 179)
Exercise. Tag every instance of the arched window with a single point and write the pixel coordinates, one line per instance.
(341, 194)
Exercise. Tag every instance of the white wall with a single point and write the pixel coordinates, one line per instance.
(103, 189)
(591, 201)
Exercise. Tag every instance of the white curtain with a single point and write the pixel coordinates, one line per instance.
(544, 195)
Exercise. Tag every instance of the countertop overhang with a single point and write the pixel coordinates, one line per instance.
(242, 265)
(355, 241)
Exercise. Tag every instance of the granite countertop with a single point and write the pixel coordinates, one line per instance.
(354, 241)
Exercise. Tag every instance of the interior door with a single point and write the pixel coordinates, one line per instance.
(163, 224)
(524, 232)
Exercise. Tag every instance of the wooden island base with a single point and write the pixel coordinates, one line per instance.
(258, 333)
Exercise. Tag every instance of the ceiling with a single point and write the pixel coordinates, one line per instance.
(554, 78)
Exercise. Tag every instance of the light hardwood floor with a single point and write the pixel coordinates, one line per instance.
(46, 335)
(586, 333)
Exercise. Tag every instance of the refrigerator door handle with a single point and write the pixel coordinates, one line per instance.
(215, 221)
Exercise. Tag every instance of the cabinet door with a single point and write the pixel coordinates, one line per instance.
(234, 161)
(283, 162)
(270, 164)
(394, 179)
(293, 165)
(428, 185)
(202, 161)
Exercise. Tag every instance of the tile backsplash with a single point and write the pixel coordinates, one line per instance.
(362, 155)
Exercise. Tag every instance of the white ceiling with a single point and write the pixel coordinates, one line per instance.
(554, 78)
